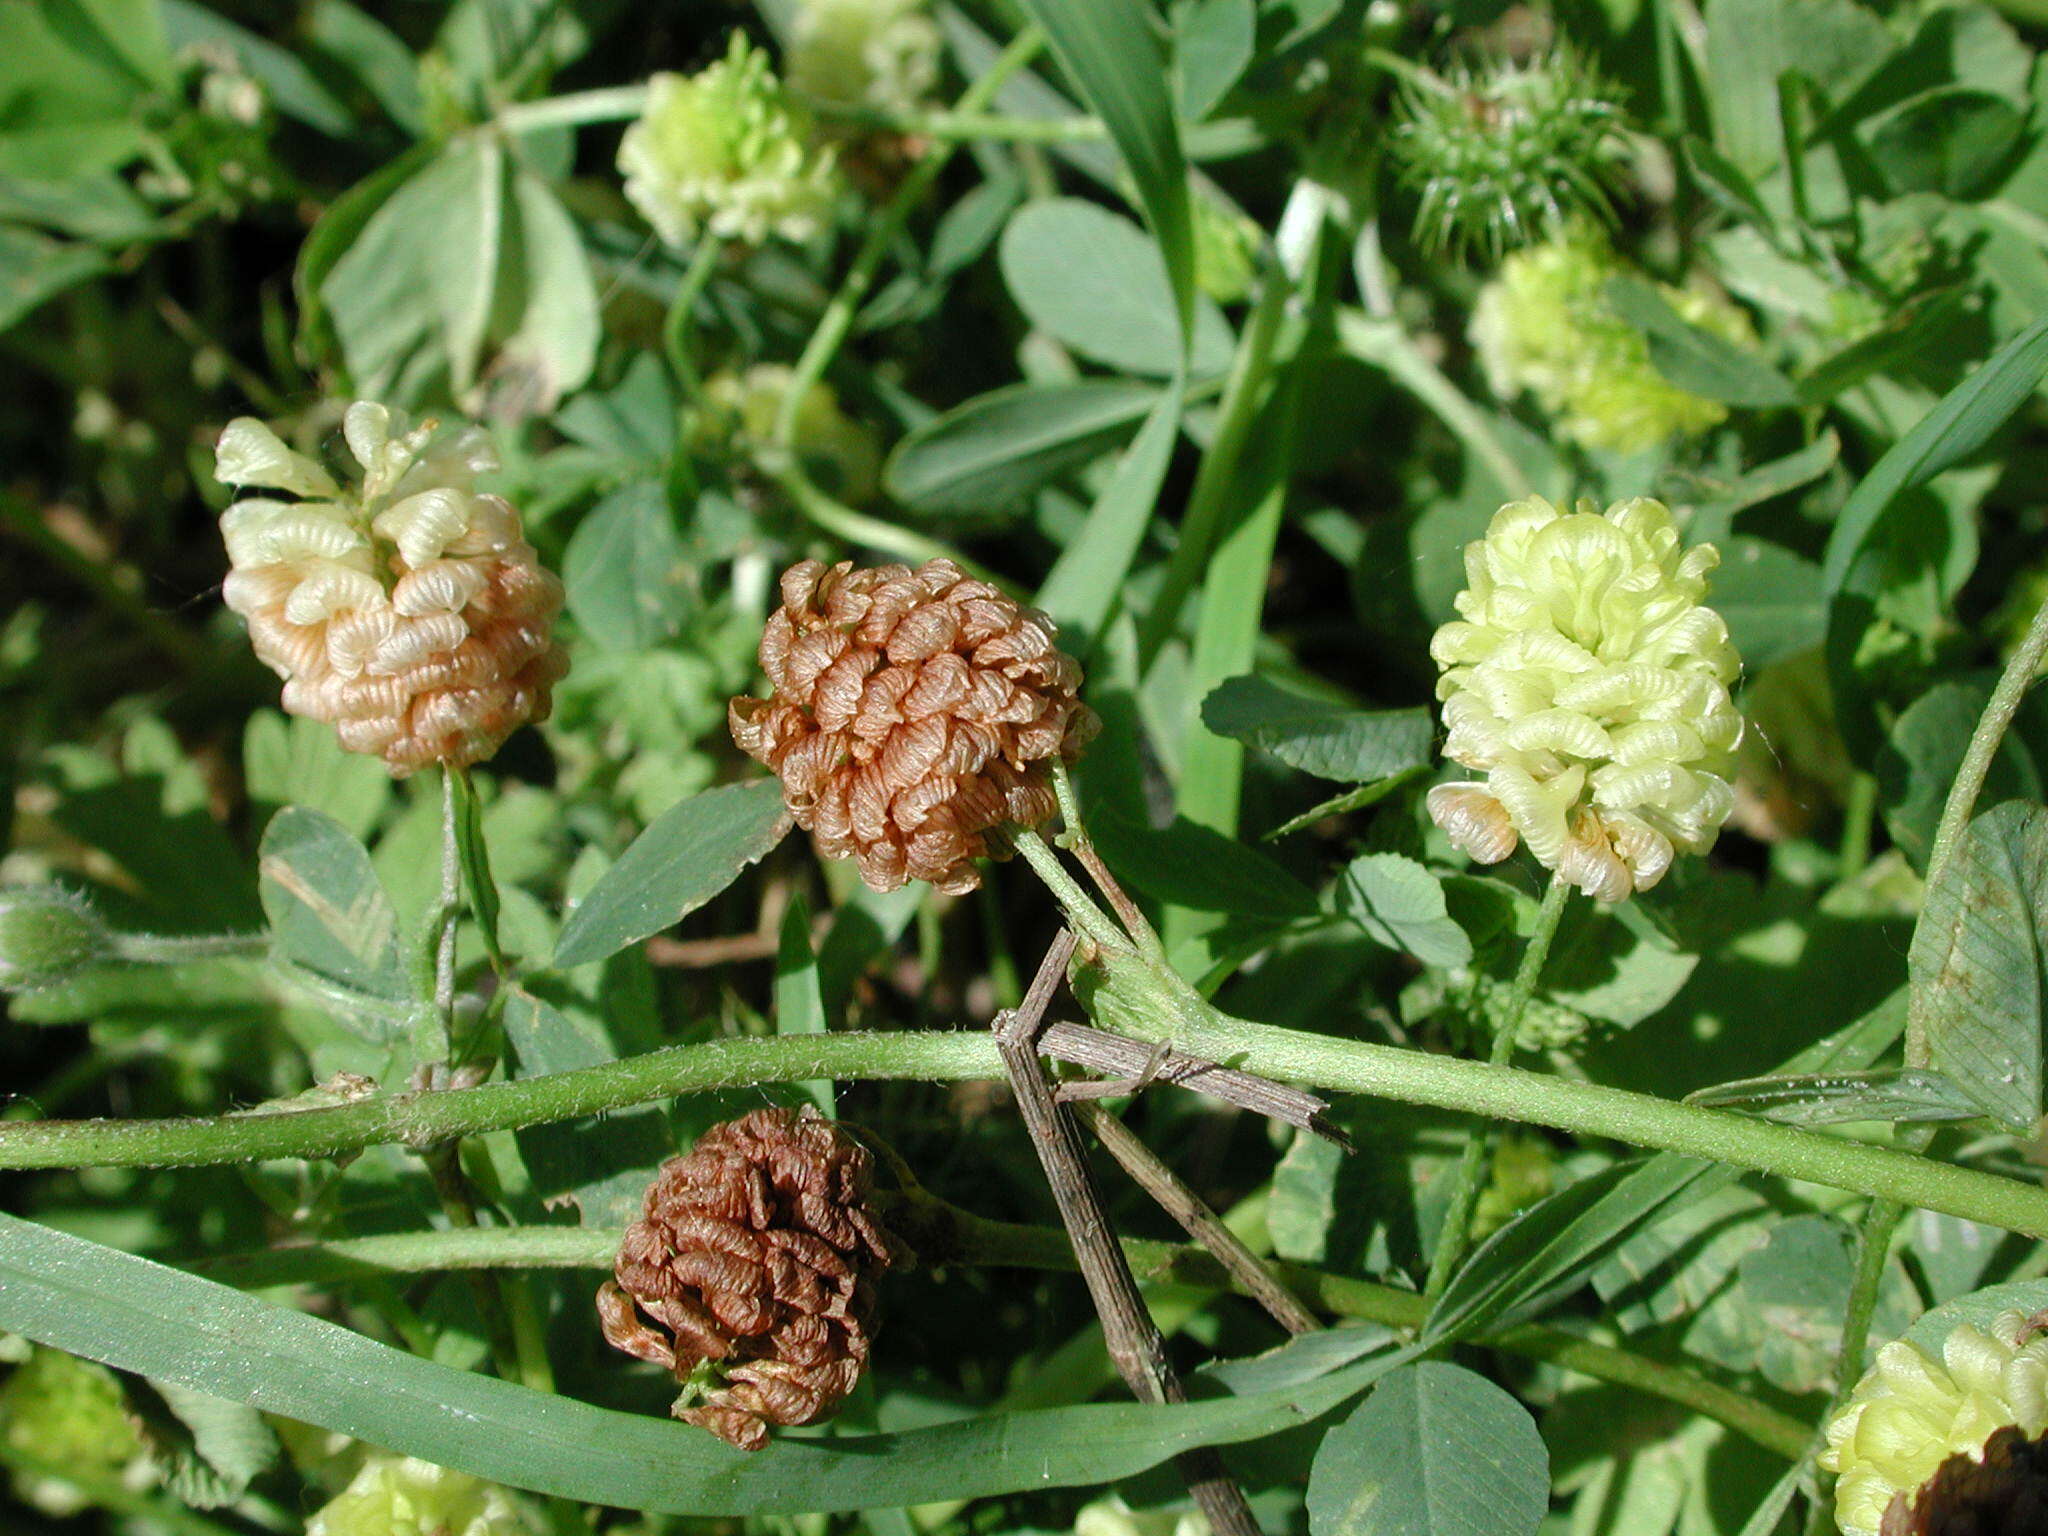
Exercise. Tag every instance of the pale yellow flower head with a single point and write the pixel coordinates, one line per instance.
(403, 1496)
(1113, 1517)
(404, 607)
(1911, 1412)
(726, 152)
(1589, 686)
(68, 1414)
(869, 53)
(1545, 325)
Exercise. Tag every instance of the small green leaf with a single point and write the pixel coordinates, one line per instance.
(294, 760)
(1331, 741)
(1401, 905)
(325, 905)
(1093, 279)
(1977, 961)
(1696, 359)
(1924, 752)
(799, 1001)
(688, 855)
(626, 572)
(1896, 1094)
(1213, 43)
(1435, 1451)
(988, 455)
(1955, 141)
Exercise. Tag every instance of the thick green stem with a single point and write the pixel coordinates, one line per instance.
(1999, 709)
(611, 104)
(944, 1234)
(1450, 1243)
(854, 527)
(1350, 1066)
(675, 330)
(839, 314)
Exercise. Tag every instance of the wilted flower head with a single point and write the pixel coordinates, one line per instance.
(69, 1414)
(1589, 685)
(750, 1275)
(405, 608)
(1505, 153)
(871, 53)
(839, 453)
(725, 152)
(404, 1496)
(915, 716)
(1923, 1444)
(1545, 324)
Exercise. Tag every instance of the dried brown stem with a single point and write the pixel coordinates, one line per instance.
(1133, 1064)
(1133, 1339)
(1197, 1219)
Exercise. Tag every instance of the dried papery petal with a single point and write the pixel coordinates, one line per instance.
(404, 607)
(750, 1274)
(1589, 684)
(915, 716)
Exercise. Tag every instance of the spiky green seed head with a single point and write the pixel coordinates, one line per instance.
(47, 936)
(726, 152)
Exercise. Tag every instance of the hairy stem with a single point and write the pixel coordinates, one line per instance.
(1450, 1243)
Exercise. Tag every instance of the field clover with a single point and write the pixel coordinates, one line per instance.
(404, 607)
(1546, 325)
(1927, 1445)
(882, 54)
(66, 1413)
(726, 152)
(1588, 684)
(404, 1496)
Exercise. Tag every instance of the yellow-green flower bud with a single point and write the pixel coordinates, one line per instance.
(865, 53)
(68, 1415)
(841, 454)
(1226, 250)
(1589, 685)
(726, 152)
(403, 1496)
(1911, 1413)
(1545, 325)
(47, 936)
(1113, 1517)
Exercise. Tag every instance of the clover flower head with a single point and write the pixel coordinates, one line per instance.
(404, 1496)
(914, 718)
(1589, 684)
(726, 152)
(840, 453)
(1922, 1440)
(871, 53)
(404, 607)
(1508, 152)
(65, 1412)
(1545, 325)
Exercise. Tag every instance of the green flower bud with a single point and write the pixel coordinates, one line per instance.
(841, 454)
(403, 1496)
(47, 936)
(1508, 153)
(1911, 1413)
(1589, 685)
(1226, 250)
(63, 1412)
(726, 151)
(1545, 325)
(866, 53)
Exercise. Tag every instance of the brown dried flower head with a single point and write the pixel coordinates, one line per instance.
(751, 1274)
(2003, 1491)
(406, 608)
(915, 717)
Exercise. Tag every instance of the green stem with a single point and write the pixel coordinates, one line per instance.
(675, 330)
(945, 1234)
(843, 522)
(1999, 710)
(1457, 1227)
(1349, 1066)
(1385, 345)
(961, 126)
(839, 314)
(178, 948)
(611, 104)
(1088, 919)
(1859, 811)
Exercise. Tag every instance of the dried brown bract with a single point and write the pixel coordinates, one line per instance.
(751, 1272)
(2003, 1494)
(915, 715)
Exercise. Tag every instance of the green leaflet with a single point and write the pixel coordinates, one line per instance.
(140, 1316)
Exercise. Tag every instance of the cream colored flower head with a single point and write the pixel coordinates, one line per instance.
(1545, 325)
(841, 454)
(403, 1496)
(1912, 1412)
(725, 152)
(866, 53)
(404, 607)
(1589, 686)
